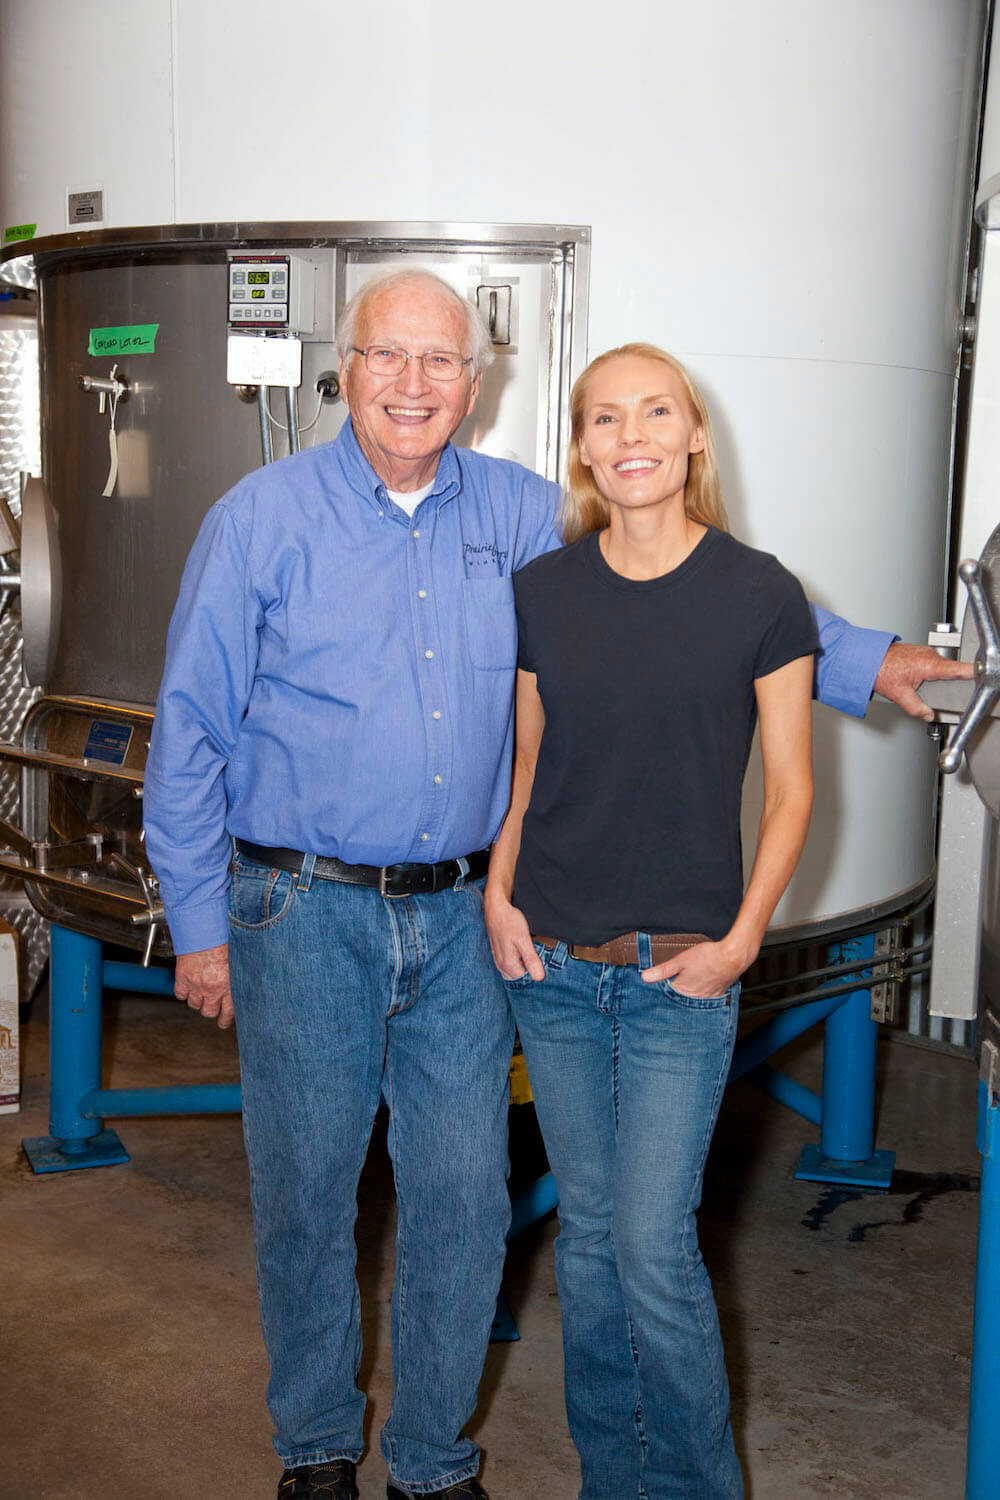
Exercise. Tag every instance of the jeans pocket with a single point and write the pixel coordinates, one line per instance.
(260, 897)
(474, 888)
(700, 1002)
(523, 980)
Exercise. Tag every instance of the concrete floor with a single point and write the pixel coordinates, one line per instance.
(132, 1367)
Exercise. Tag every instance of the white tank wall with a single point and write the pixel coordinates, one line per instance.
(988, 191)
(775, 193)
(86, 100)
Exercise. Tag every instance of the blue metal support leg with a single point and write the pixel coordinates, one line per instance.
(846, 1154)
(763, 1042)
(983, 1469)
(76, 994)
(787, 1091)
(77, 1103)
(536, 1200)
(530, 1205)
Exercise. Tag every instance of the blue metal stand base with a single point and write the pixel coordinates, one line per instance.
(46, 1154)
(504, 1330)
(981, 1478)
(875, 1174)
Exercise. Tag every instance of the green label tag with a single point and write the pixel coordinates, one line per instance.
(15, 232)
(133, 338)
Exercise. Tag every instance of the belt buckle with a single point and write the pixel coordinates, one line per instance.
(383, 888)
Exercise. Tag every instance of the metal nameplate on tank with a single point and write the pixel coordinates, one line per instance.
(108, 741)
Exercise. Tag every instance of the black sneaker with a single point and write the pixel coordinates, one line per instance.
(468, 1489)
(332, 1481)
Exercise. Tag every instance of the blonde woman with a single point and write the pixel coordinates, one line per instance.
(650, 647)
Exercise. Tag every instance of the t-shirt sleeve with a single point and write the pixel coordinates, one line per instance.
(788, 628)
(526, 627)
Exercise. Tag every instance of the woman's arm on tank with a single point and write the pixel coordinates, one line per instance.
(510, 939)
(786, 749)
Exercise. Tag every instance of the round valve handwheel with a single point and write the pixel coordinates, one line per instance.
(981, 644)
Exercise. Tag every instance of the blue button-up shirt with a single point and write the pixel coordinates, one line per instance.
(339, 675)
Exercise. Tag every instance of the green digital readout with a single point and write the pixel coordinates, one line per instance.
(258, 294)
(258, 278)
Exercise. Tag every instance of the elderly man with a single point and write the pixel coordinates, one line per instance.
(330, 762)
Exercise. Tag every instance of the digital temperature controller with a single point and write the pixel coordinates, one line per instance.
(259, 291)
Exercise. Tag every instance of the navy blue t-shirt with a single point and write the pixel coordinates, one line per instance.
(648, 691)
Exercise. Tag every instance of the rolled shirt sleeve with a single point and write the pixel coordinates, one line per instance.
(847, 662)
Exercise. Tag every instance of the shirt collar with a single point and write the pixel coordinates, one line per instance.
(362, 477)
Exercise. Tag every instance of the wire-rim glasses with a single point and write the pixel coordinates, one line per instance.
(437, 364)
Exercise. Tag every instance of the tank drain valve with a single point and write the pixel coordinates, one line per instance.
(110, 390)
(116, 387)
(154, 917)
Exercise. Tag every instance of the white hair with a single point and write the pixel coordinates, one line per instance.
(480, 345)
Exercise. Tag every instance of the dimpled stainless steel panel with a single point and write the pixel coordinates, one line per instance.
(19, 271)
(19, 450)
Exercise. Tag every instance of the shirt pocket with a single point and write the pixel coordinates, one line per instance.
(490, 623)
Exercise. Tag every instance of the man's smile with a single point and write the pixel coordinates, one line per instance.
(409, 413)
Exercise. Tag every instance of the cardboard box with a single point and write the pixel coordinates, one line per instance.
(10, 1071)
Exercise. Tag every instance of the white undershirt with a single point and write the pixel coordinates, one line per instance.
(412, 499)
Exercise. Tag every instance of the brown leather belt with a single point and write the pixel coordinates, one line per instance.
(625, 949)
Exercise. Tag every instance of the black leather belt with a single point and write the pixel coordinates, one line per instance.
(388, 880)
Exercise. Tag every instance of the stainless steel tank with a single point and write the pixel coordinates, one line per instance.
(147, 417)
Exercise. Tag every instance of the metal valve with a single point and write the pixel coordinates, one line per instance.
(986, 666)
(975, 739)
(154, 917)
(116, 387)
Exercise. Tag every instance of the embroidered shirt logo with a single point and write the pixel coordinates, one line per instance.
(483, 555)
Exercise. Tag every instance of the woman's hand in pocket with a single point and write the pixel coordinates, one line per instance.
(510, 939)
(706, 970)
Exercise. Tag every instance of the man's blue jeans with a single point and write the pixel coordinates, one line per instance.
(627, 1079)
(342, 995)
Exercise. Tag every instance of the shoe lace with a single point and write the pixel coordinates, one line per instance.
(333, 1479)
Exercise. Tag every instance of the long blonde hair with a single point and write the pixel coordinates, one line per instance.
(585, 508)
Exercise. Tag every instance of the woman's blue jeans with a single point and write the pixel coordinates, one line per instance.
(343, 995)
(627, 1079)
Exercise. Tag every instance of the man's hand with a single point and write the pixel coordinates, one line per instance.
(905, 667)
(202, 979)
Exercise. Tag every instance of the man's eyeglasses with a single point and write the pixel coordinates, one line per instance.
(437, 364)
